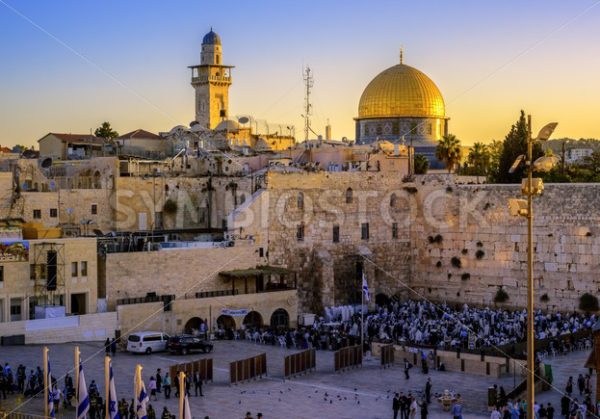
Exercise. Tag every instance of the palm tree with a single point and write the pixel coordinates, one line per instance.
(448, 150)
(421, 164)
(479, 159)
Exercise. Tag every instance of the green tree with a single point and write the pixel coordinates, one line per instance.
(448, 151)
(479, 159)
(106, 131)
(495, 149)
(514, 145)
(421, 164)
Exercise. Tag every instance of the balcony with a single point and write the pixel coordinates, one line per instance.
(207, 79)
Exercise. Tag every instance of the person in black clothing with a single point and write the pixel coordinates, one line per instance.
(550, 411)
(428, 391)
(424, 411)
(107, 346)
(198, 384)
(407, 366)
(113, 347)
(159, 380)
(581, 384)
(564, 405)
(396, 405)
(404, 406)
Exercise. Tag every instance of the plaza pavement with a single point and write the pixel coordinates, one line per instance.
(365, 392)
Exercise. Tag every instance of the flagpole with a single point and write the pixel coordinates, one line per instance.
(107, 383)
(45, 381)
(77, 356)
(182, 392)
(136, 382)
(362, 317)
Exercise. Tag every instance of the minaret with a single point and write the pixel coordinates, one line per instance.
(211, 80)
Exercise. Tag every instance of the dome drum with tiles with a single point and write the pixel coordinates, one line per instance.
(402, 103)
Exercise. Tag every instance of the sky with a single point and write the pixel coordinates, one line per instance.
(69, 65)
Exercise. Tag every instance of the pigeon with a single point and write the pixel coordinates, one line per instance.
(240, 402)
(330, 401)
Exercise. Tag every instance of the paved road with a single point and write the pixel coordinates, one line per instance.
(359, 393)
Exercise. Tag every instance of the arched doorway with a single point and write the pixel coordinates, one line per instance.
(253, 319)
(192, 327)
(226, 322)
(382, 300)
(280, 319)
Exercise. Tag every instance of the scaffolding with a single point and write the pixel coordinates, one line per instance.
(39, 273)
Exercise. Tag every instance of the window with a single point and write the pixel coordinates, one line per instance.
(43, 272)
(94, 209)
(349, 196)
(32, 272)
(394, 230)
(364, 231)
(300, 200)
(37, 214)
(84, 271)
(53, 212)
(393, 200)
(336, 233)
(1, 273)
(300, 232)
(74, 269)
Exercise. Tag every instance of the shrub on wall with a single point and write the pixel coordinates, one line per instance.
(170, 207)
(479, 254)
(501, 296)
(465, 276)
(456, 262)
(439, 264)
(588, 302)
(544, 298)
(479, 244)
(465, 251)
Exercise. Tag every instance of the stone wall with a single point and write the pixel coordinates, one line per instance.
(454, 240)
(178, 272)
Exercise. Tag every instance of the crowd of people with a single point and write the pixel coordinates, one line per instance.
(420, 323)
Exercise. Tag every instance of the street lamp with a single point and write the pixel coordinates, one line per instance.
(524, 208)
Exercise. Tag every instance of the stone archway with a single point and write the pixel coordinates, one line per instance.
(226, 322)
(192, 326)
(382, 299)
(280, 319)
(253, 319)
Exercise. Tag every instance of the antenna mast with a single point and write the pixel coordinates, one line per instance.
(308, 82)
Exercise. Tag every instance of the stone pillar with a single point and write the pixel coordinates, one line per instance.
(324, 271)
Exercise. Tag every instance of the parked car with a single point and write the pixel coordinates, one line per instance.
(185, 344)
(147, 342)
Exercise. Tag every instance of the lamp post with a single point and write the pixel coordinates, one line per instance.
(520, 207)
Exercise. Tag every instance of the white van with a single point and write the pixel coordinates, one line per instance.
(147, 342)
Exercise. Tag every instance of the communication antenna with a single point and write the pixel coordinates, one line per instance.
(308, 82)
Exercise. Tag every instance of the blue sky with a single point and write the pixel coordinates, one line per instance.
(489, 59)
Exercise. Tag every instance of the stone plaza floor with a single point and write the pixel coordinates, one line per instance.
(365, 392)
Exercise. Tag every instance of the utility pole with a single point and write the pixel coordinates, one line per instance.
(308, 82)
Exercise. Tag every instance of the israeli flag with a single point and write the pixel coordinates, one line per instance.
(113, 408)
(50, 393)
(83, 398)
(187, 413)
(365, 286)
(142, 402)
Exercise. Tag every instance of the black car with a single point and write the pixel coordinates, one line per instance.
(185, 344)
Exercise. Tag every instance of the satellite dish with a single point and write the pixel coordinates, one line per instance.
(46, 163)
(243, 120)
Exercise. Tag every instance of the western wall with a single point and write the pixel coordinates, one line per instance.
(453, 240)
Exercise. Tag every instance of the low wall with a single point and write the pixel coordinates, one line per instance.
(88, 327)
(484, 365)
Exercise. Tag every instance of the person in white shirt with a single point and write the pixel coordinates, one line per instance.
(495, 414)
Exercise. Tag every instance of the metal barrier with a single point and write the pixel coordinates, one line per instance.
(246, 369)
(387, 356)
(203, 366)
(298, 363)
(348, 357)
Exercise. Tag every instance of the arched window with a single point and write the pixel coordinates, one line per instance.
(349, 196)
(393, 200)
(301, 200)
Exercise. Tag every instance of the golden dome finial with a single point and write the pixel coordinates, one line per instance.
(401, 55)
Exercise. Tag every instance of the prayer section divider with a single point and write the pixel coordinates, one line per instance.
(387, 356)
(298, 363)
(348, 357)
(247, 369)
(203, 366)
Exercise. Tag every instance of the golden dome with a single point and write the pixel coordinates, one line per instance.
(401, 91)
